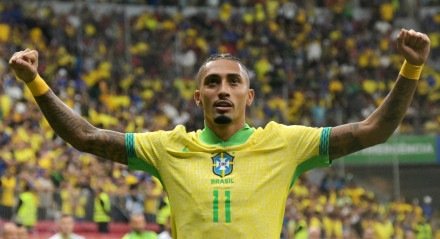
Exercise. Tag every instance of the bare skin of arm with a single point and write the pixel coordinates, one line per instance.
(381, 124)
(378, 127)
(79, 133)
(67, 124)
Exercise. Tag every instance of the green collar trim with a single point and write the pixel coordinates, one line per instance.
(208, 136)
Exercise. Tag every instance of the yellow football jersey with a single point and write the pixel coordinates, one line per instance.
(228, 189)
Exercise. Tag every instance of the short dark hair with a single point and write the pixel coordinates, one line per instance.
(220, 56)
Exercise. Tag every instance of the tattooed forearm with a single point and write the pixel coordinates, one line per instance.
(108, 144)
(80, 133)
(63, 120)
(344, 141)
(378, 127)
(391, 112)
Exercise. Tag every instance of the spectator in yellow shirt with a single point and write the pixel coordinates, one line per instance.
(152, 199)
(8, 186)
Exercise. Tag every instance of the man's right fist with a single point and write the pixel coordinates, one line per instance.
(25, 64)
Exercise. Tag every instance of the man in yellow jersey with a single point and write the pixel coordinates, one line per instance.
(7, 199)
(229, 180)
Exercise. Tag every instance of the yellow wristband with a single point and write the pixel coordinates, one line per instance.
(410, 71)
(38, 86)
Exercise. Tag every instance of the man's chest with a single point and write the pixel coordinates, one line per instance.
(202, 177)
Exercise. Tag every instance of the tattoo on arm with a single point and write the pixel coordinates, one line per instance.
(343, 140)
(378, 127)
(108, 144)
(79, 133)
(395, 105)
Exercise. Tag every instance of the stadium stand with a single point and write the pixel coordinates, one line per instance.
(130, 67)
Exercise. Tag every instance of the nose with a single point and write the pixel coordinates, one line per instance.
(224, 89)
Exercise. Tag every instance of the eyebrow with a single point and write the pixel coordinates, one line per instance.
(215, 75)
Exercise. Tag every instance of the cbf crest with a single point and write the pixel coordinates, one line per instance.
(222, 164)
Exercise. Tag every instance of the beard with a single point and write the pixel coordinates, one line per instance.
(222, 119)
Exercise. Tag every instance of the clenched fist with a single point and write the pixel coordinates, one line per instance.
(414, 46)
(25, 64)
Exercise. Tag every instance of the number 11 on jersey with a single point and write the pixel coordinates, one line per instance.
(215, 206)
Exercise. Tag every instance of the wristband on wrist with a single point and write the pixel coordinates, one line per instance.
(38, 86)
(410, 71)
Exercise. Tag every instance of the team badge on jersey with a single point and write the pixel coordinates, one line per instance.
(222, 164)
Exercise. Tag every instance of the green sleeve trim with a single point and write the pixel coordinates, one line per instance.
(324, 141)
(135, 163)
(129, 145)
(320, 161)
(315, 162)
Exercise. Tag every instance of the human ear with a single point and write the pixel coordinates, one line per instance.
(251, 95)
(197, 98)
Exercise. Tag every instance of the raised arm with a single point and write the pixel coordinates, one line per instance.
(380, 125)
(67, 124)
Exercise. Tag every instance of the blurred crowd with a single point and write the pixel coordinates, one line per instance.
(317, 63)
(341, 208)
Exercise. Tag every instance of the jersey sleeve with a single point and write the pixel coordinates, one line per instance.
(310, 146)
(142, 151)
(321, 159)
(306, 142)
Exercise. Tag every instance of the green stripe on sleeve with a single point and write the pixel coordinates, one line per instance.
(324, 141)
(322, 160)
(315, 162)
(129, 145)
(135, 163)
